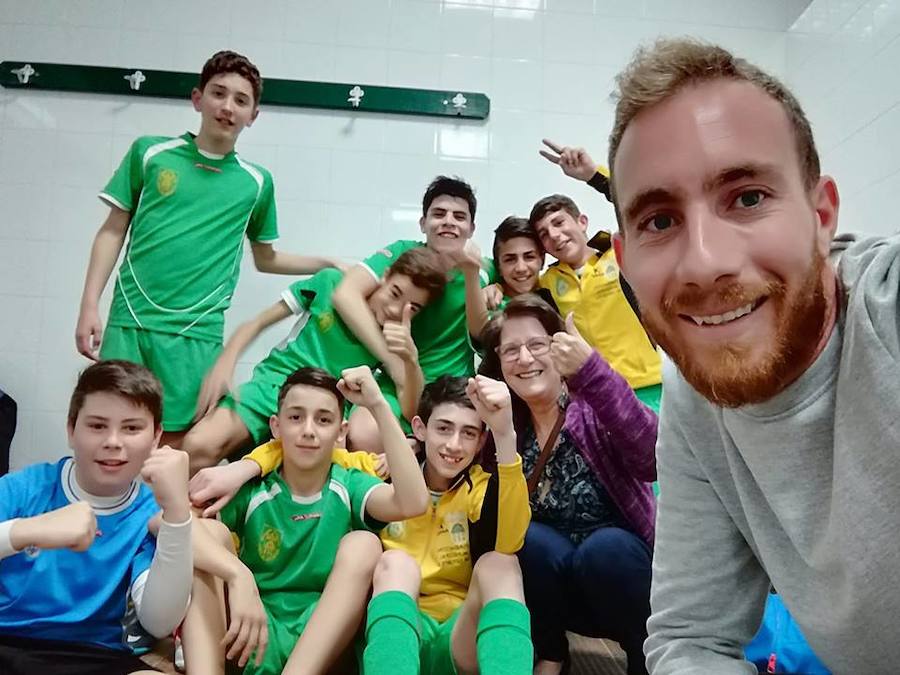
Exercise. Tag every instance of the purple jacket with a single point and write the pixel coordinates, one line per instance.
(616, 434)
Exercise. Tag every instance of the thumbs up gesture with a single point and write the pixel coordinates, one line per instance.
(398, 337)
(568, 350)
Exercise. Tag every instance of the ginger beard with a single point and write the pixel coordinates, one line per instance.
(726, 373)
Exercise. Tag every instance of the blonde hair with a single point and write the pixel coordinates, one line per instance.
(658, 72)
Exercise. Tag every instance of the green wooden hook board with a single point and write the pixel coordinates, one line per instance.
(291, 93)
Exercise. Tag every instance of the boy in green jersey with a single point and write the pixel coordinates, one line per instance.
(448, 590)
(319, 338)
(288, 527)
(186, 204)
(439, 331)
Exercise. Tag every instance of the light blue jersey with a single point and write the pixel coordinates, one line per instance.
(76, 597)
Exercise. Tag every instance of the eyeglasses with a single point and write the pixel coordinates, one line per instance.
(537, 346)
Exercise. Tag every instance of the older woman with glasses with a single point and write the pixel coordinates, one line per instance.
(587, 447)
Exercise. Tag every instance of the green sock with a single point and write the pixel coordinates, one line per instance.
(504, 638)
(392, 635)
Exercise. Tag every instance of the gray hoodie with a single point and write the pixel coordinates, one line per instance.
(802, 490)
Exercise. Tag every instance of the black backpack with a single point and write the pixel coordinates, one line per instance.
(7, 429)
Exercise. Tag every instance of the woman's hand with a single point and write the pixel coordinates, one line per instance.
(568, 350)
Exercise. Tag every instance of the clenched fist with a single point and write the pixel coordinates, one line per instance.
(492, 403)
(166, 473)
(358, 386)
(73, 527)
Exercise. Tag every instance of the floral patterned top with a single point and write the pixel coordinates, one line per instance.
(569, 497)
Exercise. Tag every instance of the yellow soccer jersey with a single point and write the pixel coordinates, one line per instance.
(604, 317)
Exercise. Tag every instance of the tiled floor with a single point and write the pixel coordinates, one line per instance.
(595, 657)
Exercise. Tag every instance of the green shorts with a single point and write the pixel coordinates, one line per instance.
(179, 362)
(650, 396)
(283, 636)
(257, 400)
(436, 652)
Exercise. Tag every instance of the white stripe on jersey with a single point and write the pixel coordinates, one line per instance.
(260, 498)
(341, 492)
(154, 150)
(257, 176)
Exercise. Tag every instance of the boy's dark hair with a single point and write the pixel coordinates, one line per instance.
(227, 61)
(311, 377)
(121, 378)
(552, 204)
(451, 187)
(423, 267)
(514, 227)
(445, 389)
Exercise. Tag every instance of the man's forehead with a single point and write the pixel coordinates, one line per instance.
(698, 132)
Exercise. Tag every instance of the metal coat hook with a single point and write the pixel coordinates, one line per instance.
(356, 95)
(135, 80)
(24, 73)
(459, 101)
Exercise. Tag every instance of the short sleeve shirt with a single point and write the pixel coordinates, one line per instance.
(290, 542)
(319, 337)
(58, 594)
(190, 212)
(440, 330)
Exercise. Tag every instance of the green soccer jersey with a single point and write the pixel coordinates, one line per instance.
(290, 542)
(440, 330)
(190, 211)
(320, 338)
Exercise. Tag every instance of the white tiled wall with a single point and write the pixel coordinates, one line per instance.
(843, 60)
(345, 183)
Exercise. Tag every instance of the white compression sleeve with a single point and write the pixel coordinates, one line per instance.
(161, 594)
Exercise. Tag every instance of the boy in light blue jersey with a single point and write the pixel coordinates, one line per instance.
(83, 584)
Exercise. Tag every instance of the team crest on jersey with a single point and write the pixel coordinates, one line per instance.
(610, 271)
(562, 287)
(166, 182)
(269, 544)
(31, 552)
(326, 321)
(454, 524)
(395, 530)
